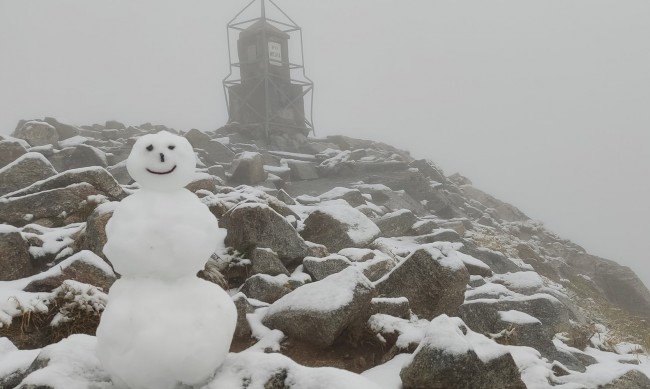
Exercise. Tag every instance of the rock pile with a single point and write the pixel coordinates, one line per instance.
(342, 253)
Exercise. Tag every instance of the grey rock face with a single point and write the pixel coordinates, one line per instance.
(94, 237)
(319, 268)
(216, 151)
(95, 176)
(432, 282)
(257, 225)
(26, 170)
(265, 288)
(301, 170)
(497, 262)
(377, 267)
(15, 260)
(429, 169)
(248, 169)
(243, 329)
(37, 133)
(114, 125)
(85, 156)
(64, 130)
(10, 151)
(398, 307)
(459, 366)
(633, 379)
(335, 232)
(619, 283)
(52, 208)
(265, 261)
(549, 310)
(396, 223)
(304, 315)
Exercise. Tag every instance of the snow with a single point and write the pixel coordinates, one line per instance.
(55, 240)
(306, 199)
(489, 290)
(72, 365)
(296, 156)
(446, 333)
(341, 157)
(469, 260)
(386, 376)
(357, 255)
(409, 331)
(525, 281)
(252, 369)
(325, 295)
(268, 339)
(13, 360)
(336, 193)
(518, 317)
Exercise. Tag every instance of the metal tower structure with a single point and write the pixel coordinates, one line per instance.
(267, 85)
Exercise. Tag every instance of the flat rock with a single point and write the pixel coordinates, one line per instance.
(55, 207)
(98, 177)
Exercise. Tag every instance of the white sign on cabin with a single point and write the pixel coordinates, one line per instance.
(275, 53)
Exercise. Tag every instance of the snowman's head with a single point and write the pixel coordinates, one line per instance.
(162, 162)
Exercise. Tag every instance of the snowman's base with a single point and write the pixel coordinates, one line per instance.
(157, 334)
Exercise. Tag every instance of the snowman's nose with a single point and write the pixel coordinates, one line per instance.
(162, 157)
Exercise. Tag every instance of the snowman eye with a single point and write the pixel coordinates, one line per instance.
(172, 147)
(150, 147)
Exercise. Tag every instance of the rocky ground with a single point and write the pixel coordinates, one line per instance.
(352, 265)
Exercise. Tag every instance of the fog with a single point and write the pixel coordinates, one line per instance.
(542, 104)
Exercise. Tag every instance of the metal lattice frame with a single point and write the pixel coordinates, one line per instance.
(267, 78)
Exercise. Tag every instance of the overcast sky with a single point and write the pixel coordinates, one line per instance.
(543, 104)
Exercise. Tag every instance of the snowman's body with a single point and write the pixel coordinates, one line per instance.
(163, 326)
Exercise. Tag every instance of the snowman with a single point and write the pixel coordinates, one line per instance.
(163, 326)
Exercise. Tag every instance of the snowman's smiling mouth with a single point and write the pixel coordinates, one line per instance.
(161, 173)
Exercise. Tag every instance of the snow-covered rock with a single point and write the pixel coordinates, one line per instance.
(318, 312)
(24, 171)
(338, 226)
(453, 356)
(253, 225)
(433, 279)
